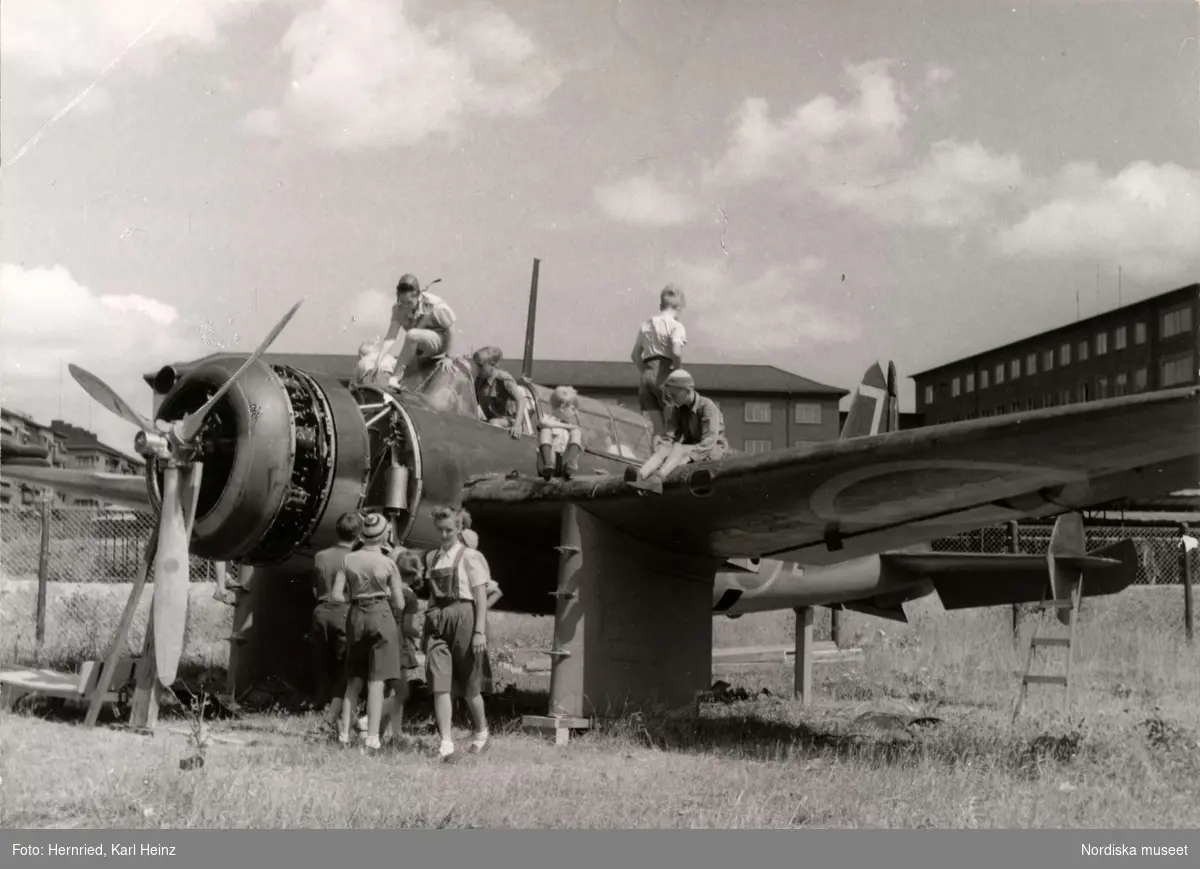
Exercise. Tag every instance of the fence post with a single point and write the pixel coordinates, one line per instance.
(1185, 576)
(1015, 548)
(43, 569)
(835, 627)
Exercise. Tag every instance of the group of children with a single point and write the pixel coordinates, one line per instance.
(378, 602)
(687, 426)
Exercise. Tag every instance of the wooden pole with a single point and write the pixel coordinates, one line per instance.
(835, 627)
(43, 568)
(1014, 546)
(1185, 575)
(527, 362)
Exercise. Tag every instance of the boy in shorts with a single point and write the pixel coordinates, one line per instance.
(456, 630)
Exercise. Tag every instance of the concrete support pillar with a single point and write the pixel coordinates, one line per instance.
(804, 654)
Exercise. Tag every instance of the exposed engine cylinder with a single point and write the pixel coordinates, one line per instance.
(285, 453)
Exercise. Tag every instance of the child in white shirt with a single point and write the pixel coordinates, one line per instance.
(559, 434)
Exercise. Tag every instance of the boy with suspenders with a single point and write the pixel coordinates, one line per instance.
(456, 578)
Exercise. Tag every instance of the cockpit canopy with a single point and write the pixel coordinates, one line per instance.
(607, 429)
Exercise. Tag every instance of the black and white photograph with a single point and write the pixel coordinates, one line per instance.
(608, 415)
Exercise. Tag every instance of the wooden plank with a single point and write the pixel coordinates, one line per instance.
(148, 693)
(117, 647)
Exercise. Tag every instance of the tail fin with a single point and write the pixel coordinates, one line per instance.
(875, 408)
(1067, 539)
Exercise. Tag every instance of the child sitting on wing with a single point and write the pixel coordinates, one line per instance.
(559, 435)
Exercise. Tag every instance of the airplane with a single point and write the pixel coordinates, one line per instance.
(252, 460)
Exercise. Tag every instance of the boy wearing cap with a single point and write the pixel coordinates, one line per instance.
(658, 350)
(329, 617)
(371, 581)
(427, 323)
(697, 434)
(456, 630)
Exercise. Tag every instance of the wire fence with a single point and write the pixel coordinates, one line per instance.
(55, 562)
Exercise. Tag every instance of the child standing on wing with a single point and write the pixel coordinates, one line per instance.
(371, 581)
(456, 630)
(559, 433)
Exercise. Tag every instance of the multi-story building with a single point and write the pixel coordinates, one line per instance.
(1148, 345)
(764, 407)
(67, 446)
(85, 452)
(23, 429)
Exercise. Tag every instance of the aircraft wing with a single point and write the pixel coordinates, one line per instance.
(829, 502)
(122, 489)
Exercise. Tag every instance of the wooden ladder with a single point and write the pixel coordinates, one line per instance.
(1037, 641)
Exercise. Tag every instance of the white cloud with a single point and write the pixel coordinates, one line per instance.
(956, 183)
(775, 310)
(643, 200)
(62, 39)
(821, 139)
(364, 74)
(854, 154)
(50, 320)
(1145, 218)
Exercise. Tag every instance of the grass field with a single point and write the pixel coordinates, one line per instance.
(1129, 757)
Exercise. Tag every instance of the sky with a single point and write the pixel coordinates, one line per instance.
(830, 184)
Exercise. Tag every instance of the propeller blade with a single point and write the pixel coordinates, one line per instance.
(191, 425)
(104, 394)
(171, 569)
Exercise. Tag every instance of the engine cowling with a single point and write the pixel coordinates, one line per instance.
(285, 453)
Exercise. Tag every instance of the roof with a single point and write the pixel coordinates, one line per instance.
(710, 377)
(79, 440)
(1066, 327)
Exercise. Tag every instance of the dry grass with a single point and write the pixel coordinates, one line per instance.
(1133, 760)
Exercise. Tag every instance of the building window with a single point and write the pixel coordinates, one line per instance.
(1101, 343)
(929, 395)
(971, 381)
(1119, 338)
(803, 443)
(1139, 333)
(1083, 351)
(955, 387)
(1048, 360)
(758, 411)
(1101, 387)
(1064, 355)
(1122, 384)
(1031, 363)
(999, 373)
(1064, 397)
(1014, 369)
(1139, 379)
(1083, 392)
(806, 414)
(983, 379)
(1177, 369)
(1174, 322)
(757, 446)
